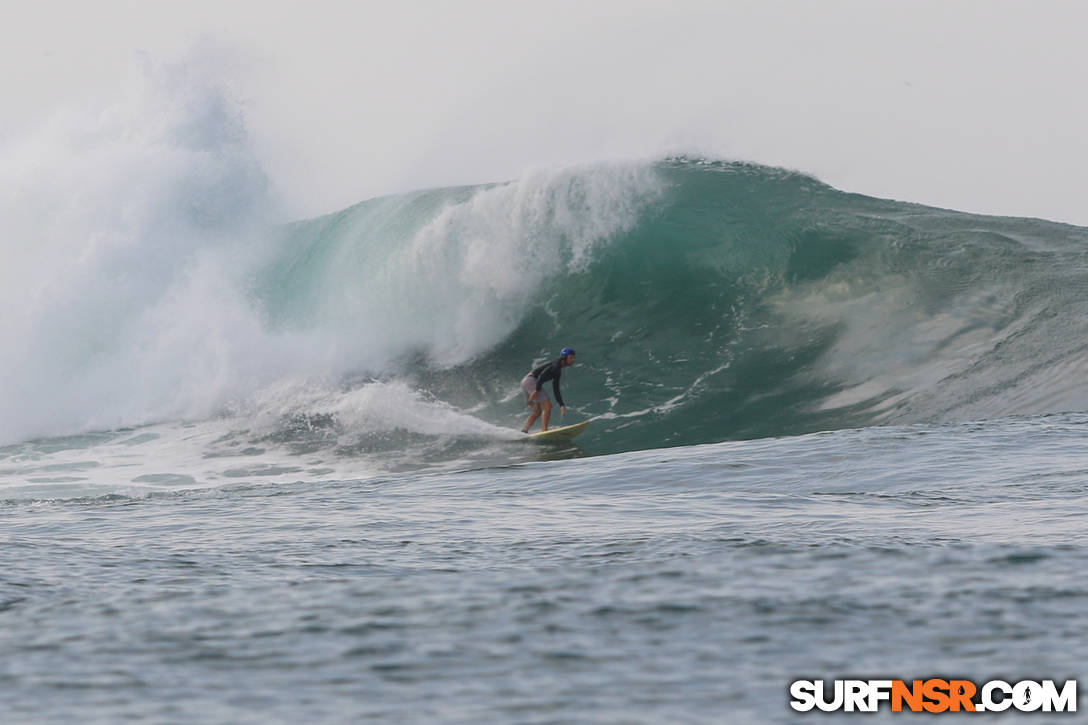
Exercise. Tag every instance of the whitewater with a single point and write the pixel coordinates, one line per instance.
(262, 470)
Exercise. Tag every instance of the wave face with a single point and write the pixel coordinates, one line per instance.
(707, 301)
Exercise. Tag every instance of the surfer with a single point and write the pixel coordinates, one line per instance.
(538, 399)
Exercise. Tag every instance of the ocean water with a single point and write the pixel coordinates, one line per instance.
(688, 584)
(254, 471)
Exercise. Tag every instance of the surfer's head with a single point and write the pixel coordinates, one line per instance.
(566, 355)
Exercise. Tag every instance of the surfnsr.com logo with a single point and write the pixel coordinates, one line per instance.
(933, 695)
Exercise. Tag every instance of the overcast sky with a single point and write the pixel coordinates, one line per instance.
(979, 106)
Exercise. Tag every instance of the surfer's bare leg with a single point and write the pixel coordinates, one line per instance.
(547, 406)
(532, 419)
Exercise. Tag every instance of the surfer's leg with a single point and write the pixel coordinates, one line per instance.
(532, 419)
(547, 407)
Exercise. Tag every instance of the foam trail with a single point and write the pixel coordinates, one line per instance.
(376, 406)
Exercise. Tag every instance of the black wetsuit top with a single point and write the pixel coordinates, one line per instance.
(550, 371)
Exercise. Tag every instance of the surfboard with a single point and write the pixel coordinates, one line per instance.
(559, 434)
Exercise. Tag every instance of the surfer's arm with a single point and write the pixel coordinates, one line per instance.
(558, 395)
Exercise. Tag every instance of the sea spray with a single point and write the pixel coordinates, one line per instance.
(124, 225)
(145, 281)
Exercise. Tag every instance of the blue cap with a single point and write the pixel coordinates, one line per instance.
(566, 351)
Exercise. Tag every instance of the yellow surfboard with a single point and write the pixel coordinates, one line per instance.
(559, 434)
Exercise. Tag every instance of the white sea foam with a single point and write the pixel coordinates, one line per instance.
(460, 282)
(133, 232)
